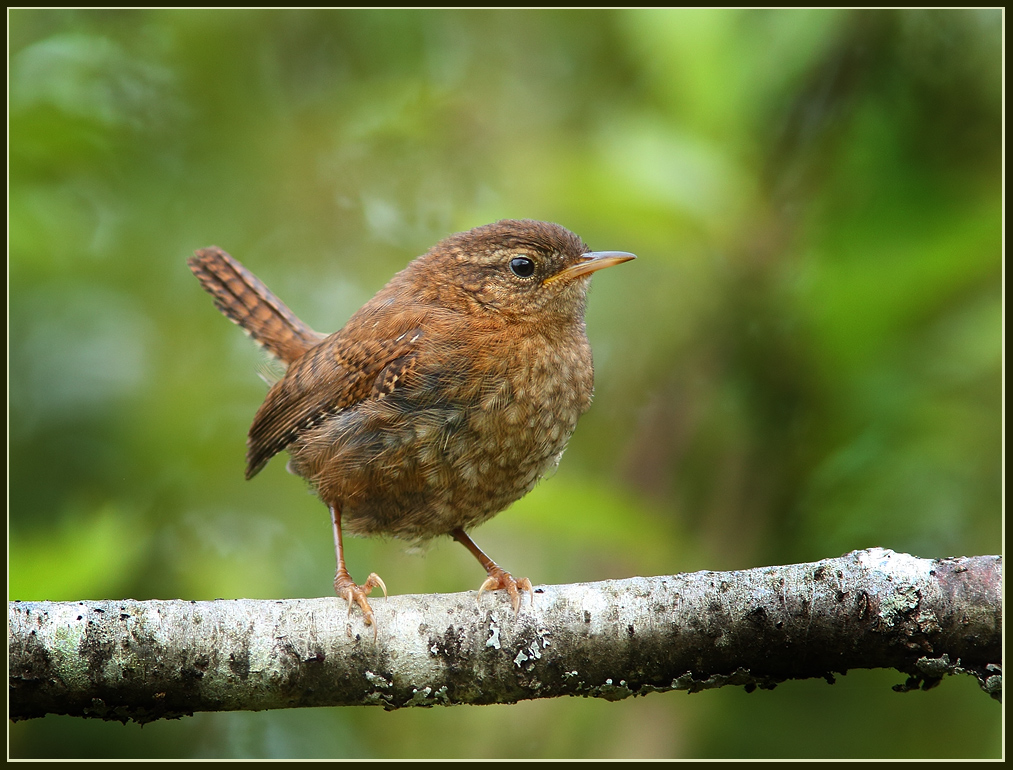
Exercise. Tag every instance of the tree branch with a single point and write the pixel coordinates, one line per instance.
(148, 660)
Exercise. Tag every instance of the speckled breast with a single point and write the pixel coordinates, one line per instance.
(452, 451)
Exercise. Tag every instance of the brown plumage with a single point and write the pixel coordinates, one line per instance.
(443, 399)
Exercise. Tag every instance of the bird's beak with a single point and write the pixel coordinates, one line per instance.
(593, 260)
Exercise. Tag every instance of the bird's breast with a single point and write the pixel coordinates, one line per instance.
(462, 441)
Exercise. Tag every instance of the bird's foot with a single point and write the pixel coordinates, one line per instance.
(346, 588)
(500, 578)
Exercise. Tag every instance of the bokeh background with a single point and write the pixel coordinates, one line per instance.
(806, 358)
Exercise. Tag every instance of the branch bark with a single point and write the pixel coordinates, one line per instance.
(147, 660)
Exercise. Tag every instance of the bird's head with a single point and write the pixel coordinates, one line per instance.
(522, 269)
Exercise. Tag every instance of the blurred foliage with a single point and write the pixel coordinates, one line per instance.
(806, 359)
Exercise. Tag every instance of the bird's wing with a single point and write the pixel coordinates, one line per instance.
(362, 361)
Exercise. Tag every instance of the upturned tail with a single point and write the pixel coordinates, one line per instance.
(246, 301)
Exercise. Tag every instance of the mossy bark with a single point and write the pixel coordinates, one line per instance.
(147, 660)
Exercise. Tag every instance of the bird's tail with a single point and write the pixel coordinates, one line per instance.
(245, 300)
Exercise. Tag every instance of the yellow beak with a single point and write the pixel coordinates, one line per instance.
(593, 260)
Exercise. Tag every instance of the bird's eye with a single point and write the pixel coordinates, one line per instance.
(522, 267)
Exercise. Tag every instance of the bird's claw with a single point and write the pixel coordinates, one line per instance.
(346, 588)
(500, 578)
(374, 581)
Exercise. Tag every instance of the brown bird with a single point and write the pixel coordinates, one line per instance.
(443, 399)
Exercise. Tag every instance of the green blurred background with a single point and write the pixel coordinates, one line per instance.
(806, 358)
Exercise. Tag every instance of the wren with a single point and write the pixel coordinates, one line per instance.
(443, 399)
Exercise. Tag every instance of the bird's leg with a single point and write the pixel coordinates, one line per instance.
(344, 586)
(498, 577)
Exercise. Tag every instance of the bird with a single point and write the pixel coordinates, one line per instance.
(441, 401)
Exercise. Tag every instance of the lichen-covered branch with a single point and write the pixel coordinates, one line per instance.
(156, 659)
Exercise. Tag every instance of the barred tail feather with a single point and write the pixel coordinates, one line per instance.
(245, 300)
